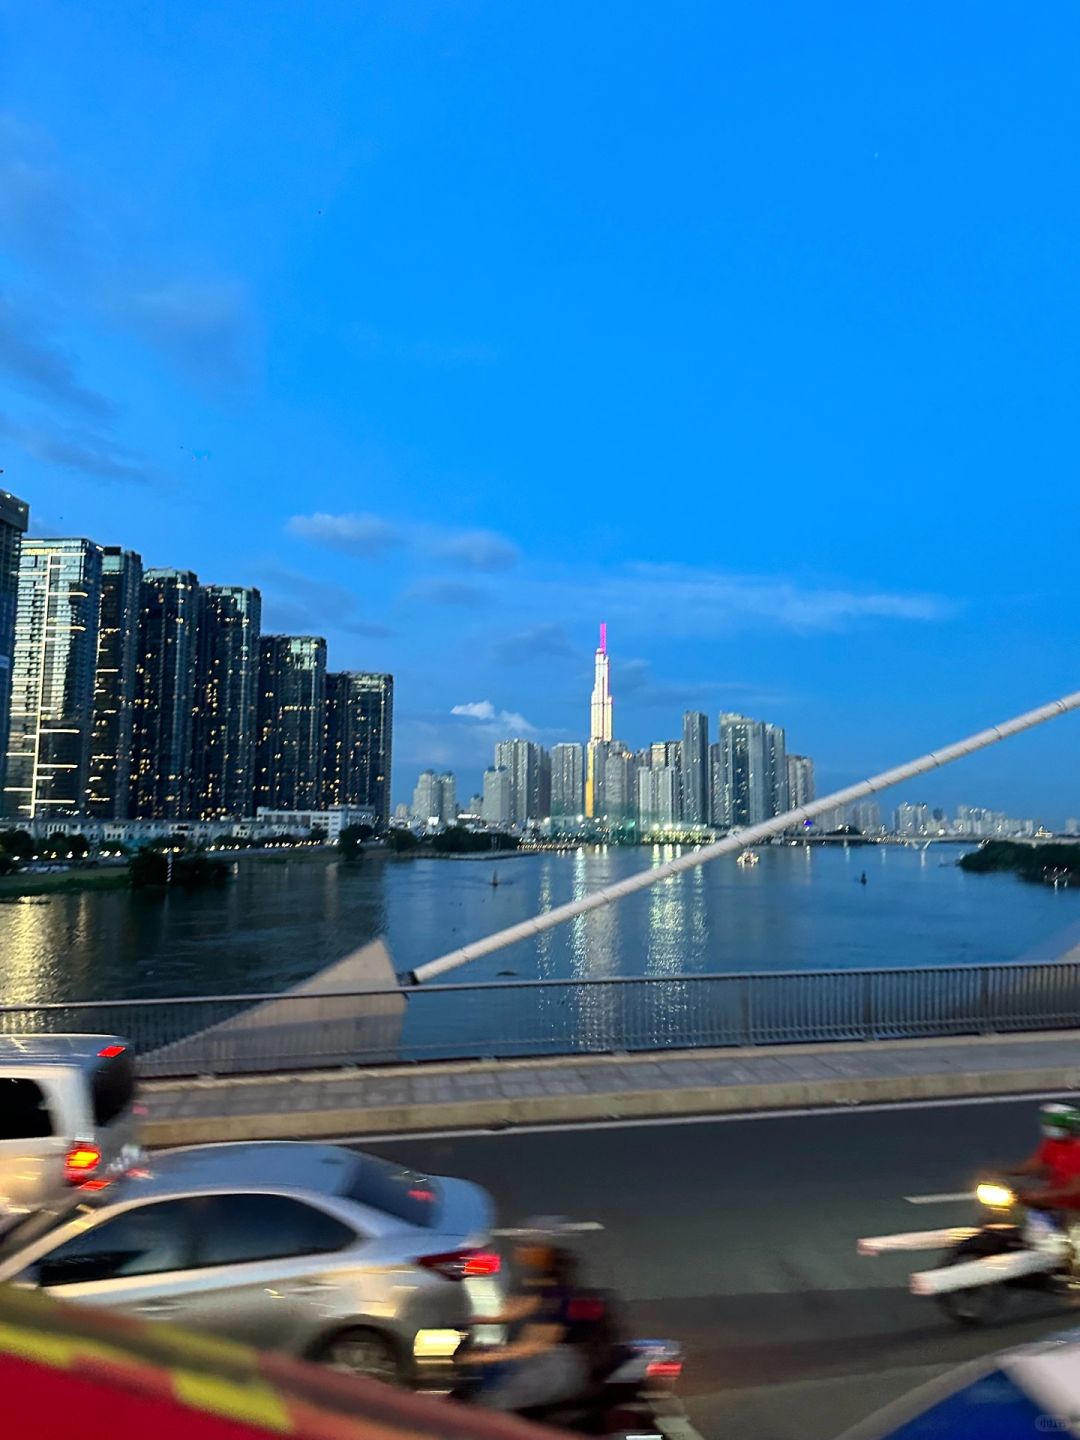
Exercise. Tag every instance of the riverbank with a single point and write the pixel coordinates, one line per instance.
(94, 876)
(60, 882)
(1053, 864)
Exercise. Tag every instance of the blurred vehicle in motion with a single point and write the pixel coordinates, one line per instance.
(1021, 1394)
(67, 1369)
(1015, 1248)
(628, 1389)
(309, 1249)
(67, 1116)
(562, 1357)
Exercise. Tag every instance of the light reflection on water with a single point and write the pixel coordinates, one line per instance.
(277, 923)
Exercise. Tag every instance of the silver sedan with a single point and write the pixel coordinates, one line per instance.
(309, 1249)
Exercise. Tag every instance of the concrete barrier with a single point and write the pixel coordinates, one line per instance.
(465, 1096)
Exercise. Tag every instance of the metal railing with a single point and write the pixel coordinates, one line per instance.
(251, 1034)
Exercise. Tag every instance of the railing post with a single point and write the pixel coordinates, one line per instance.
(746, 1010)
(867, 1006)
(986, 1023)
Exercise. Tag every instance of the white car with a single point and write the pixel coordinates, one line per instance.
(67, 1116)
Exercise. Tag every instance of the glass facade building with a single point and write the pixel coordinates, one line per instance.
(359, 736)
(14, 516)
(694, 775)
(744, 776)
(529, 768)
(224, 730)
(568, 781)
(52, 689)
(292, 699)
(165, 694)
(108, 790)
(776, 778)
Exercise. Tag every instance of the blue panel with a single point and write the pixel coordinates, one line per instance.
(993, 1408)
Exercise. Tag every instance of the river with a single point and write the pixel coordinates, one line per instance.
(280, 921)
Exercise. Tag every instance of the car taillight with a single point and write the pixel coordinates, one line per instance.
(663, 1370)
(110, 1052)
(462, 1264)
(80, 1162)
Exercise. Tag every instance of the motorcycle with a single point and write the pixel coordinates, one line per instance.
(1015, 1248)
(630, 1390)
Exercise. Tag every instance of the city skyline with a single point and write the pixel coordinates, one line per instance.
(139, 694)
(314, 358)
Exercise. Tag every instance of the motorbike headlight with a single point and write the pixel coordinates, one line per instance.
(995, 1197)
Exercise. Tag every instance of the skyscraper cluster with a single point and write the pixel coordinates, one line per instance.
(132, 693)
(744, 776)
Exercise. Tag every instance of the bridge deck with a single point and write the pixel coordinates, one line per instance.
(498, 1093)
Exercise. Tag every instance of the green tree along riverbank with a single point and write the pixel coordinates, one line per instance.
(1044, 863)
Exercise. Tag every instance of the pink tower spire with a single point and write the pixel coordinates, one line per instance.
(603, 637)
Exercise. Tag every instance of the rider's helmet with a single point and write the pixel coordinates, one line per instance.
(1059, 1122)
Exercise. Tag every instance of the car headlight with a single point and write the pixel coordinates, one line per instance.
(995, 1197)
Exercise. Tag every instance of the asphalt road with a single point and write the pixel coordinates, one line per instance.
(738, 1239)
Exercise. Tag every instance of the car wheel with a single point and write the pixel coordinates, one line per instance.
(363, 1352)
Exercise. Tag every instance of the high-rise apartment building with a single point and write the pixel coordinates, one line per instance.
(865, 816)
(108, 790)
(744, 777)
(292, 697)
(776, 776)
(165, 694)
(497, 801)
(435, 798)
(225, 725)
(601, 727)
(359, 741)
(52, 688)
(716, 786)
(913, 819)
(800, 770)
(695, 768)
(529, 768)
(620, 785)
(657, 797)
(448, 809)
(568, 782)
(14, 517)
(666, 752)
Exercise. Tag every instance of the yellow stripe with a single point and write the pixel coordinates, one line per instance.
(61, 1351)
(254, 1404)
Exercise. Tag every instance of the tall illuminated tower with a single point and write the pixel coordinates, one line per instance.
(600, 728)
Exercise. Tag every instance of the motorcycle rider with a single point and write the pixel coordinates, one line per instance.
(1055, 1168)
(537, 1365)
(1056, 1161)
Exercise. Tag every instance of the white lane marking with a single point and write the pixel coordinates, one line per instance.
(939, 1199)
(493, 1132)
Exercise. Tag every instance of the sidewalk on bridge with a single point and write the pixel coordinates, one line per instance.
(464, 1095)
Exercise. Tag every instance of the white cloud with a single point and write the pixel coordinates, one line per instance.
(501, 720)
(646, 599)
(485, 551)
(478, 550)
(355, 534)
(476, 710)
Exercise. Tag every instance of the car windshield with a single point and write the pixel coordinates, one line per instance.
(404, 1194)
(37, 1225)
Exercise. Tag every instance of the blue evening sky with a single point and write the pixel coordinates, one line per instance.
(459, 327)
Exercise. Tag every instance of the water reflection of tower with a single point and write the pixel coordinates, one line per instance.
(601, 729)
